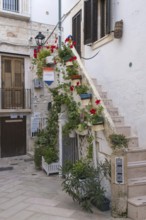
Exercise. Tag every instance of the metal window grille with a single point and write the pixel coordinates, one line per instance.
(11, 5)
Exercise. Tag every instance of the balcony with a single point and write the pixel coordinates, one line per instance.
(17, 9)
(15, 99)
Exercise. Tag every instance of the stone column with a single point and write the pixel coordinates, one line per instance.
(119, 183)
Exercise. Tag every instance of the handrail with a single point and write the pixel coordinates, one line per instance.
(94, 89)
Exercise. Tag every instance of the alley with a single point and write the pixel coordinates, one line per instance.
(29, 194)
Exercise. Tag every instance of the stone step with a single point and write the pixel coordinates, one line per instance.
(136, 187)
(108, 103)
(136, 154)
(133, 143)
(137, 208)
(118, 120)
(103, 95)
(136, 169)
(125, 130)
(113, 111)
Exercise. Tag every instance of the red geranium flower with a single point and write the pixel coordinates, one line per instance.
(93, 111)
(97, 102)
(74, 58)
(71, 88)
(74, 43)
(66, 40)
(71, 46)
(78, 83)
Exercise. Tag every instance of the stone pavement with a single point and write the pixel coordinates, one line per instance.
(29, 194)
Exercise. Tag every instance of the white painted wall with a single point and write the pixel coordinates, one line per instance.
(45, 11)
(125, 85)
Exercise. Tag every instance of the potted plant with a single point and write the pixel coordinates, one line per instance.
(65, 53)
(118, 141)
(73, 73)
(82, 91)
(83, 184)
(96, 118)
(40, 60)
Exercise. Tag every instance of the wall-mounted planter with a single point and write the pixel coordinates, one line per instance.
(72, 134)
(86, 102)
(86, 96)
(69, 63)
(98, 127)
(75, 79)
(82, 133)
(50, 168)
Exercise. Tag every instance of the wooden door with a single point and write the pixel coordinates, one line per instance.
(13, 136)
(12, 83)
(76, 31)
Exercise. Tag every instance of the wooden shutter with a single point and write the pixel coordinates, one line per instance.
(90, 21)
(108, 16)
(94, 20)
(76, 31)
(87, 22)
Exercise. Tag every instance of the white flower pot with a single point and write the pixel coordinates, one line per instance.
(82, 133)
(99, 127)
(86, 102)
(49, 60)
(69, 63)
(72, 134)
(50, 168)
(75, 81)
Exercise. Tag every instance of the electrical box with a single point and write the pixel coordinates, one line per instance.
(38, 83)
(119, 170)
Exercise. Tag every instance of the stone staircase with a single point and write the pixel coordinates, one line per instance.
(136, 167)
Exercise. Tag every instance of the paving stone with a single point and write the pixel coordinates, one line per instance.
(51, 210)
(22, 215)
(9, 212)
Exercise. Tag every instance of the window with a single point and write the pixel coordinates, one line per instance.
(96, 20)
(11, 5)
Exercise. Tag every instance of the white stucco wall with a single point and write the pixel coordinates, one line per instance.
(45, 11)
(125, 85)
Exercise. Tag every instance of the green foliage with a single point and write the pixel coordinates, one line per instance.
(50, 154)
(83, 184)
(72, 70)
(81, 89)
(118, 141)
(40, 61)
(38, 153)
(65, 53)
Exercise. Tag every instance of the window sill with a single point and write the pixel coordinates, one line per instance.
(102, 41)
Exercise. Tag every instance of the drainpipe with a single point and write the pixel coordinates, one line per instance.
(59, 23)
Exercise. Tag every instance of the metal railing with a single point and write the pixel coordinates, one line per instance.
(11, 5)
(15, 98)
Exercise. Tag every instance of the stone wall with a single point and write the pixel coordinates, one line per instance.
(17, 39)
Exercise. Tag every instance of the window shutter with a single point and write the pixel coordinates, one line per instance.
(94, 20)
(90, 21)
(76, 31)
(87, 22)
(108, 16)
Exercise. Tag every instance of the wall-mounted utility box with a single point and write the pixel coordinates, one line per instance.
(38, 83)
